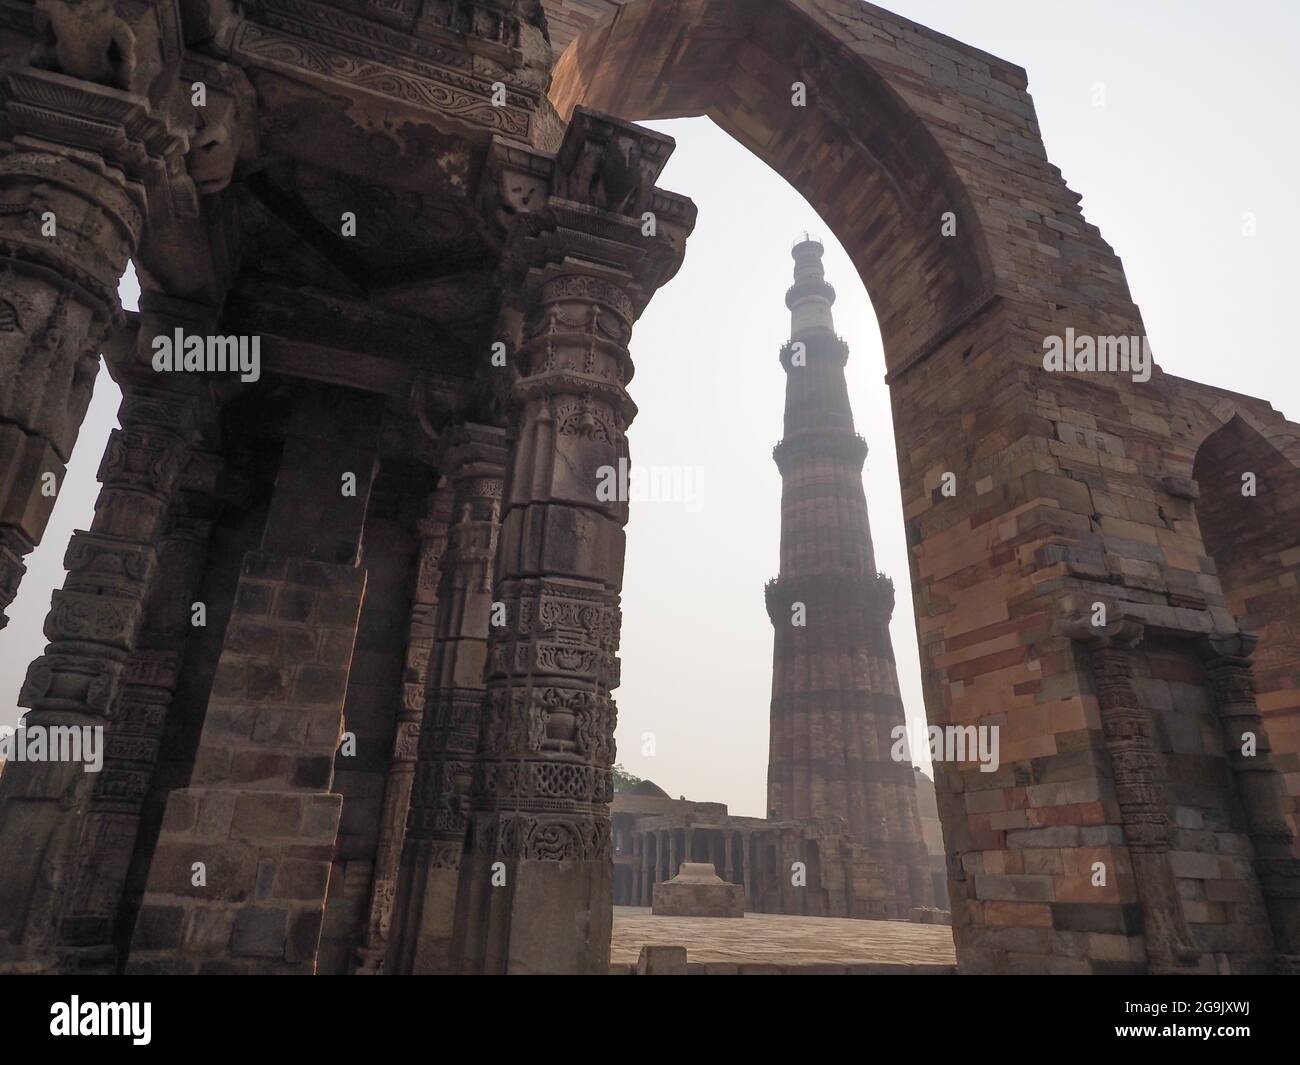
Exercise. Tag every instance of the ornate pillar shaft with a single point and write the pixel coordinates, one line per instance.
(58, 297)
(370, 959)
(108, 834)
(85, 157)
(1259, 787)
(92, 626)
(542, 781)
(435, 830)
(535, 882)
(1127, 731)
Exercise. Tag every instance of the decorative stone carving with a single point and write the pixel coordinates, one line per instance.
(542, 783)
(1127, 729)
(97, 881)
(316, 41)
(89, 159)
(473, 458)
(93, 627)
(1259, 787)
(408, 739)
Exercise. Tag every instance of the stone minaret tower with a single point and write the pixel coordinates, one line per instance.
(835, 694)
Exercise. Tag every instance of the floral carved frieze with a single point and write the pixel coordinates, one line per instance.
(460, 97)
(548, 839)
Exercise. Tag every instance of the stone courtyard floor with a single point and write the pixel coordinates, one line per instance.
(770, 939)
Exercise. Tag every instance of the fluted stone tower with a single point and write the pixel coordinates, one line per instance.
(835, 694)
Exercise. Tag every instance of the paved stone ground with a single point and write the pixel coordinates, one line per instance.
(780, 939)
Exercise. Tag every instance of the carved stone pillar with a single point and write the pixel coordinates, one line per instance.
(535, 882)
(1128, 732)
(92, 626)
(108, 834)
(84, 158)
(370, 956)
(1259, 787)
(238, 881)
(435, 831)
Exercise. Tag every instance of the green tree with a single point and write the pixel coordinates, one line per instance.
(623, 780)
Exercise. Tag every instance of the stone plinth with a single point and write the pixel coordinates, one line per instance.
(697, 891)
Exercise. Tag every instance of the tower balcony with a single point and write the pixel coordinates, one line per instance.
(874, 591)
(822, 344)
(841, 445)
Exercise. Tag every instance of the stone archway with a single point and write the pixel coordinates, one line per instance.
(925, 158)
(1249, 515)
(859, 151)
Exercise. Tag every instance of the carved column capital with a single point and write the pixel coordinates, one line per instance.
(1119, 633)
(1228, 649)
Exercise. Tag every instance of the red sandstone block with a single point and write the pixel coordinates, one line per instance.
(1205, 912)
(267, 815)
(227, 871)
(1017, 798)
(1082, 889)
(989, 801)
(1042, 861)
(295, 879)
(1083, 813)
(987, 664)
(1106, 947)
(1018, 914)
(987, 840)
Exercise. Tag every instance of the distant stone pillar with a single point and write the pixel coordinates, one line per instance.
(1127, 729)
(238, 881)
(435, 831)
(370, 956)
(92, 626)
(751, 895)
(638, 886)
(535, 883)
(1259, 787)
(88, 160)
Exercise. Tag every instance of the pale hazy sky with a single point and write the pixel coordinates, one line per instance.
(1198, 128)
